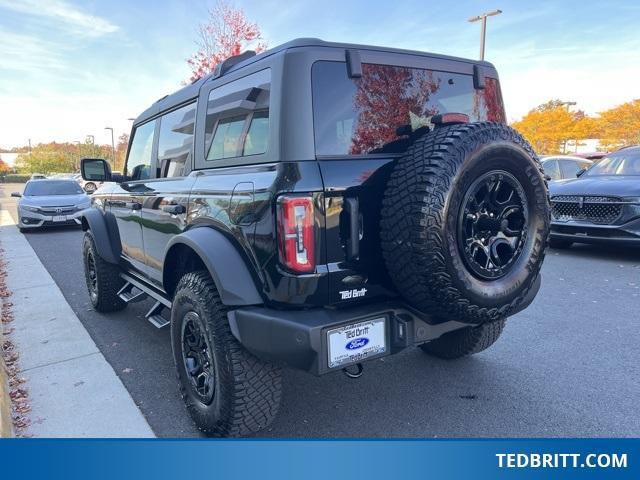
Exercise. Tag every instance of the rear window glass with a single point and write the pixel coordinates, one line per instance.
(360, 115)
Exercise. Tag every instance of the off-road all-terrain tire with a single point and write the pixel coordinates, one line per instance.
(559, 243)
(103, 278)
(246, 390)
(465, 341)
(423, 208)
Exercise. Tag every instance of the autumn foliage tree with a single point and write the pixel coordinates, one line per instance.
(620, 126)
(227, 32)
(56, 157)
(549, 127)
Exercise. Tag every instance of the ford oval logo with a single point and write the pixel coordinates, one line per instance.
(357, 343)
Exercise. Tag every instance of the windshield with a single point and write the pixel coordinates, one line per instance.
(360, 115)
(620, 163)
(52, 187)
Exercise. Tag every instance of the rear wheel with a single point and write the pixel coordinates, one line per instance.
(559, 243)
(228, 391)
(102, 278)
(465, 341)
(465, 221)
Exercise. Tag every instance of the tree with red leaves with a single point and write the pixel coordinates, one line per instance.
(227, 32)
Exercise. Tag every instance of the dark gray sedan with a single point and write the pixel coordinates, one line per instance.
(50, 203)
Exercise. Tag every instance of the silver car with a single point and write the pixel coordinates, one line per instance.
(50, 203)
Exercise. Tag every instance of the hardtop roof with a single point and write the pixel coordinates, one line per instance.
(191, 91)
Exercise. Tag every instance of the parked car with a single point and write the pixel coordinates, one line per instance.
(595, 157)
(564, 167)
(328, 205)
(50, 202)
(601, 205)
(38, 176)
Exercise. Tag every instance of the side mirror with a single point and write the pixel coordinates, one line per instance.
(580, 172)
(547, 177)
(95, 169)
(16, 194)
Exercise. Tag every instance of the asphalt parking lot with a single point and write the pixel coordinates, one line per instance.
(566, 366)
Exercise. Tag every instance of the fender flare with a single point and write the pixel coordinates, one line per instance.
(104, 228)
(226, 266)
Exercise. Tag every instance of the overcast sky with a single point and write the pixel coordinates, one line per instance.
(68, 68)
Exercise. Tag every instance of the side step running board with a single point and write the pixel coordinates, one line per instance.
(154, 315)
(127, 294)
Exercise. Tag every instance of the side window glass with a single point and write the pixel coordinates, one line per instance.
(226, 138)
(175, 141)
(257, 137)
(569, 168)
(551, 169)
(139, 160)
(238, 118)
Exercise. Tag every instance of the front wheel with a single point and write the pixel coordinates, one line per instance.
(228, 391)
(103, 278)
(466, 341)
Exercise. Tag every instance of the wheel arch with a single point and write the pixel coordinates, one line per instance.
(104, 229)
(204, 248)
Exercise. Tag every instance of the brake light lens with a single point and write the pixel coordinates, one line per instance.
(296, 233)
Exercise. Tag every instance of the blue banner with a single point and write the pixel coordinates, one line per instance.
(319, 459)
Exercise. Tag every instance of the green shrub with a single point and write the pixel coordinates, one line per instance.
(15, 178)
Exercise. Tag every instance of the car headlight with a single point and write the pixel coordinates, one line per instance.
(30, 208)
(82, 206)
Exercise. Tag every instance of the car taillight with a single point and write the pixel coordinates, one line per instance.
(296, 233)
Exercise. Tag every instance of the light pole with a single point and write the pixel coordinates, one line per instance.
(76, 162)
(564, 144)
(483, 31)
(113, 146)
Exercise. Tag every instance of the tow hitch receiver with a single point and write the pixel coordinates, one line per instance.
(354, 374)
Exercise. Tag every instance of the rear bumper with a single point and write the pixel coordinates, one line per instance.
(579, 232)
(298, 338)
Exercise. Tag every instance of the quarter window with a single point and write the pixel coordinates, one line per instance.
(238, 118)
(139, 159)
(175, 142)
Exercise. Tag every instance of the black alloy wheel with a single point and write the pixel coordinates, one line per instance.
(492, 224)
(197, 356)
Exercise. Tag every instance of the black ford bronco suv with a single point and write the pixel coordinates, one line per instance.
(318, 205)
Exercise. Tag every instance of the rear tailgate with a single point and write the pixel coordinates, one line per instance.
(353, 200)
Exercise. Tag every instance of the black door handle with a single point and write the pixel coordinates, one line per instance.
(173, 209)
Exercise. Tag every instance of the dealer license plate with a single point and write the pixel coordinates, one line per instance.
(356, 342)
(59, 218)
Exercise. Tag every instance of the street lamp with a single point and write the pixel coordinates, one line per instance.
(483, 17)
(564, 143)
(113, 145)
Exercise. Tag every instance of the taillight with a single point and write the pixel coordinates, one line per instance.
(296, 235)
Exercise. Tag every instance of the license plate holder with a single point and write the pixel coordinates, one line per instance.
(59, 218)
(356, 342)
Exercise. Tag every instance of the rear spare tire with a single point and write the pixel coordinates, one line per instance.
(465, 220)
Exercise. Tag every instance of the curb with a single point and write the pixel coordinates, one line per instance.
(6, 427)
(73, 391)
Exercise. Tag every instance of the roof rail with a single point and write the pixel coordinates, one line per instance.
(230, 62)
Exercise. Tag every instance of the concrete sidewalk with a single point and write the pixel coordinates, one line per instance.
(73, 391)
